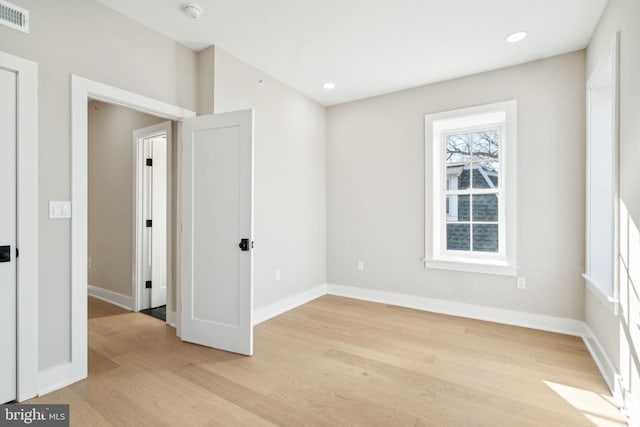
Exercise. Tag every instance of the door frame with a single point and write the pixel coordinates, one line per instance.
(27, 227)
(138, 170)
(82, 91)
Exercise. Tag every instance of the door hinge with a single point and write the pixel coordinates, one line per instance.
(148, 223)
(17, 252)
(149, 162)
(147, 284)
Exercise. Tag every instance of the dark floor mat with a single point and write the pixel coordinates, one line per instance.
(158, 312)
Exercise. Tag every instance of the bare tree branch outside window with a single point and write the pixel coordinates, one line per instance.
(477, 146)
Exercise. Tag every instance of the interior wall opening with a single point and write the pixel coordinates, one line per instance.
(131, 209)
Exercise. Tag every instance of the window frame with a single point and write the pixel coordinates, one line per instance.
(444, 192)
(605, 75)
(500, 115)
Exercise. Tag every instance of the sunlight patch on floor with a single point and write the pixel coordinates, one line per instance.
(600, 409)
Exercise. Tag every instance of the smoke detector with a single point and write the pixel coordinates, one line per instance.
(193, 11)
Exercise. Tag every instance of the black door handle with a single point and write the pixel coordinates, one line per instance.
(244, 244)
(5, 253)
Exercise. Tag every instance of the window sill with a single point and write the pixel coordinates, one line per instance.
(472, 266)
(609, 301)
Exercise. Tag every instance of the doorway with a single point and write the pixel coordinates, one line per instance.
(83, 91)
(228, 134)
(131, 203)
(154, 230)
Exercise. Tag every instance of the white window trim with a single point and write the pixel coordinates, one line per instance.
(478, 116)
(608, 66)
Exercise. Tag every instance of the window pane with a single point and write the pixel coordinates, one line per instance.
(458, 148)
(457, 208)
(485, 175)
(485, 237)
(457, 177)
(485, 207)
(458, 237)
(485, 145)
(457, 159)
(464, 178)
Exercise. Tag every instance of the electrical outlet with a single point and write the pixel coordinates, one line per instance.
(89, 262)
(521, 283)
(277, 275)
(360, 266)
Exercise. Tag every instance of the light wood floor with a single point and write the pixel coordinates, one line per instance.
(335, 362)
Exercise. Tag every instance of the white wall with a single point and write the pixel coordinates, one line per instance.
(82, 37)
(619, 336)
(111, 184)
(290, 168)
(376, 189)
(206, 80)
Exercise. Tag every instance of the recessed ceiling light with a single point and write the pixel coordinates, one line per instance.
(516, 37)
(329, 85)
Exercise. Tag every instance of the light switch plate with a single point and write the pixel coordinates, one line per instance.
(59, 209)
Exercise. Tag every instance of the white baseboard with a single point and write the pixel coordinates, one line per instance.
(608, 371)
(56, 378)
(111, 297)
(491, 314)
(603, 362)
(274, 309)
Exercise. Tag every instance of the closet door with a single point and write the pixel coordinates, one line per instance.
(8, 117)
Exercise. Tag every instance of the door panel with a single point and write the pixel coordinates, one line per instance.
(217, 213)
(216, 217)
(8, 103)
(159, 216)
(152, 260)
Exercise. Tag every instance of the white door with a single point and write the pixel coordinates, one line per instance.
(8, 104)
(151, 219)
(217, 231)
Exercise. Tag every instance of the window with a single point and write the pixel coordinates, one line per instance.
(602, 213)
(471, 153)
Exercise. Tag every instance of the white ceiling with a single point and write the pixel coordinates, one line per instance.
(371, 47)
